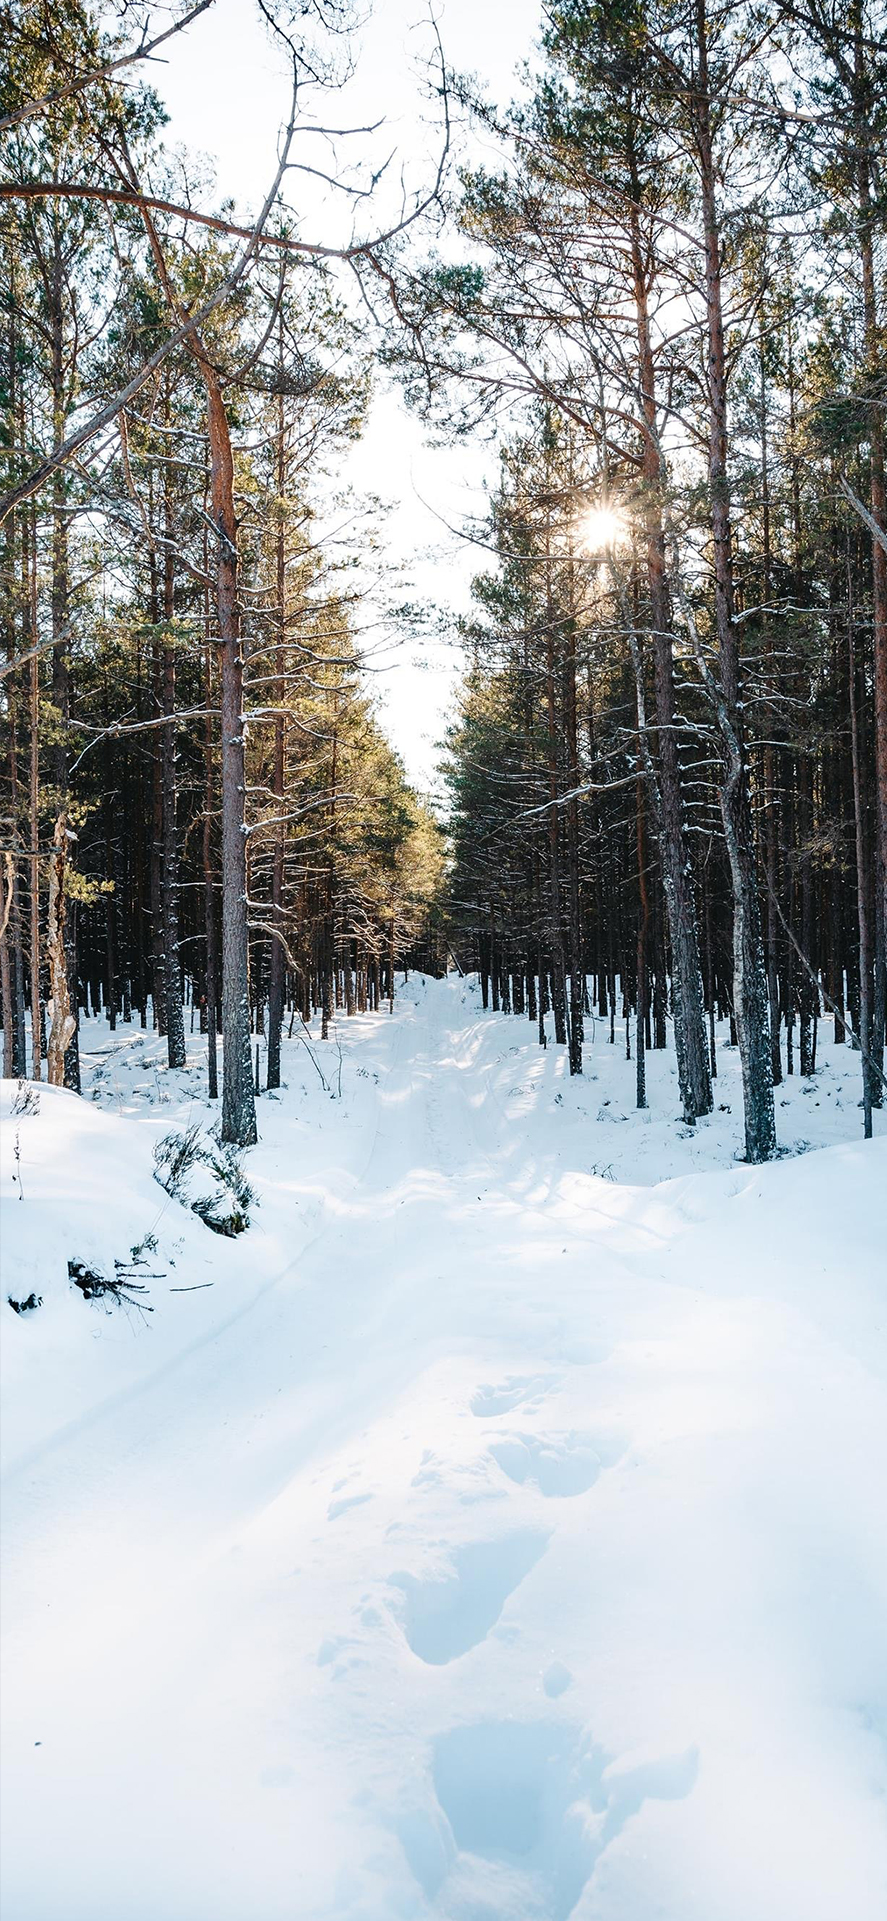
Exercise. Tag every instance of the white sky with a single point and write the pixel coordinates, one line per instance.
(225, 86)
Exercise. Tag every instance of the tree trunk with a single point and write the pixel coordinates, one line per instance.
(34, 823)
(277, 976)
(866, 944)
(556, 938)
(688, 999)
(643, 922)
(169, 870)
(868, 222)
(238, 1098)
(62, 1025)
(209, 899)
(577, 975)
(59, 621)
(750, 990)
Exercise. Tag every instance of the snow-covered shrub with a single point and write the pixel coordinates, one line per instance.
(225, 1207)
(210, 1209)
(226, 1165)
(27, 1099)
(174, 1157)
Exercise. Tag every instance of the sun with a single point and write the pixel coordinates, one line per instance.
(601, 528)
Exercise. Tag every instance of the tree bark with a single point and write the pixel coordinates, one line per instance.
(868, 218)
(169, 868)
(750, 990)
(238, 1097)
(34, 822)
(577, 973)
(62, 1024)
(556, 938)
(866, 943)
(688, 998)
(277, 972)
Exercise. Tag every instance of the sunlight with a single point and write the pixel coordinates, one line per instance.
(600, 528)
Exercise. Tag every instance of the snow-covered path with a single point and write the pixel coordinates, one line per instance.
(495, 1542)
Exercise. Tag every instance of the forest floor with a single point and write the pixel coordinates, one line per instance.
(494, 1531)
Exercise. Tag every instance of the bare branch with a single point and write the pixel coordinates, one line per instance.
(47, 100)
(877, 532)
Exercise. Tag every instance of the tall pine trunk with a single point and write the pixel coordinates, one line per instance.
(688, 999)
(238, 1098)
(277, 968)
(750, 988)
(169, 867)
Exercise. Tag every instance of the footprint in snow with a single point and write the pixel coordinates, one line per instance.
(560, 1464)
(342, 1657)
(429, 1471)
(521, 1812)
(556, 1680)
(445, 1614)
(341, 1507)
(517, 1390)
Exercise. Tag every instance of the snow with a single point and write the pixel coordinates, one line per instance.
(494, 1533)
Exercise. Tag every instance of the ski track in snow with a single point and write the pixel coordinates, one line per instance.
(492, 1541)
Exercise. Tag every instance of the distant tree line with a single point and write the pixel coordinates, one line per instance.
(670, 767)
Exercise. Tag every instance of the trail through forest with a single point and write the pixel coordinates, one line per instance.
(483, 1537)
(444, 1413)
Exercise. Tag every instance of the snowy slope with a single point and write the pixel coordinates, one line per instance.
(492, 1540)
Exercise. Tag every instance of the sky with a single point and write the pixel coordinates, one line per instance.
(226, 90)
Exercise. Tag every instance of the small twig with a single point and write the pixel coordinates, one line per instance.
(324, 1082)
